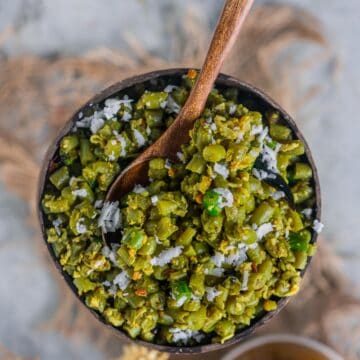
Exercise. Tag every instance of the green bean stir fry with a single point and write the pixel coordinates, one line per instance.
(207, 246)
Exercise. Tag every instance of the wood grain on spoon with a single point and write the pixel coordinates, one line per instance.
(169, 143)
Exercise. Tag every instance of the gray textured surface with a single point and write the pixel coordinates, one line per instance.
(330, 124)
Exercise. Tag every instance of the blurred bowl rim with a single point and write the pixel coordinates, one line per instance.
(222, 80)
(245, 346)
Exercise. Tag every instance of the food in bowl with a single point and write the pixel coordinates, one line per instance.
(207, 245)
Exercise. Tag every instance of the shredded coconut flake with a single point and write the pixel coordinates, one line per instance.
(180, 156)
(172, 106)
(307, 213)
(138, 189)
(166, 256)
(239, 137)
(263, 135)
(139, 138)
(263, 230)
(122, 280)
(83, 123)
(110, 217)
(154, 199)
(122, 142)
(80, 193)
(106, 283)
(170, 88)
(256, 130)
(213, 127)
(236, 258)
(218, 258)
(277, 195)
(184, 336)
(227, 198)
(212, 293)
(244, 285)
(126, 116)
(270, 157)
(181, 301)
(111, 107)
(317, 226)
(96, 122)
(112, 156)
(252, 246)
(56, 223)
(80, 226)
(262, 174)
(109, 254)
(221, 170)
(232, 109)
(218, 272)
(98, 204)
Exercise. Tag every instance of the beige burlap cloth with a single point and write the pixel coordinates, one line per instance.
(39, 94)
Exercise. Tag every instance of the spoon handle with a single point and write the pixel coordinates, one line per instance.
(227, 29)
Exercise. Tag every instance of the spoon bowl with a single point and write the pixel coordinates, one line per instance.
(156, 81)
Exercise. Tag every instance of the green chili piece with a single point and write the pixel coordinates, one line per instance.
(297, 242)
(180, 291)
(211, 201)
(133, 238)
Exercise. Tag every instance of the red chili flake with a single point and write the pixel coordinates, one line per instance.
(254, 267)
(192, 73)
(141, 292)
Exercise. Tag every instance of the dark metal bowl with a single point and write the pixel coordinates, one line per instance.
(134, 86)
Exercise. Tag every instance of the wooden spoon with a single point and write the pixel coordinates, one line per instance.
(169, 143)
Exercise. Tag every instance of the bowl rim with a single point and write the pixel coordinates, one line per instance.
(312, 344)
(223, 81)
